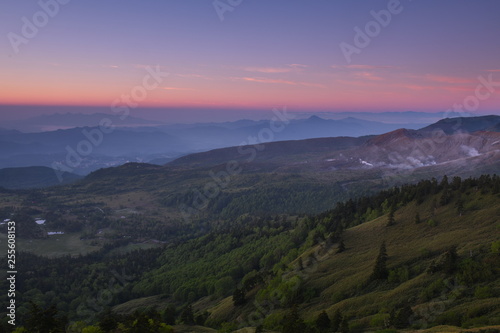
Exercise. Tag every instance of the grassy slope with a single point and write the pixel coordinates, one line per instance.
(405, 242)
(341, 278)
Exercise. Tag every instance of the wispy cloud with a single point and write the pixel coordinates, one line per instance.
(298, 65)
(360, 67)
(493, 70)
(286, 69)
(191, 75)
(269, 69)
(368, 76)
(447, 79)
(279, 81)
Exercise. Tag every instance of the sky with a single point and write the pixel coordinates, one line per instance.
(238, 56)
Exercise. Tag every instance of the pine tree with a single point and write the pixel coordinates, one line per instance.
(391, 220)
(187, 316)
(323, 322)
(380, 270)
(450, 260)
(300, 264)
(44, 320)
(336, 321)
(344, 326)
(239, 297)
(341, 247)
(459, 205)
(292, 323)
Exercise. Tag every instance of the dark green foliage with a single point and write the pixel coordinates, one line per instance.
(187, 315)
(446, 263)
(344, 325)
(323, 322)
(417, 218)
(380, 271)
(390, 219)
(169, 314)
(41, 320)
(341, 247)
(292, 323)
(108, 320)
(459, 205)
(336, 320)
(400, 318)
(239, 297)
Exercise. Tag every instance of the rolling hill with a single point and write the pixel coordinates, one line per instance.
(33, 177)
(264, 227)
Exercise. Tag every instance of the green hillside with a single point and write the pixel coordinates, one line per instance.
(296, 273)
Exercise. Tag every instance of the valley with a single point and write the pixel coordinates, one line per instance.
(292, 232)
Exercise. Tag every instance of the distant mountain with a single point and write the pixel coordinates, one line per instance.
(96, 149)
(33, 177)
(465, 124)
(141, 142)
(58, 121)
(469, 144)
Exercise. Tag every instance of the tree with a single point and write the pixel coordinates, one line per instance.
(168, 315)
(341, 247)
(300, 264)
(187, 316)
(323, 322)
(450, 260)
(44, 320)
(380, 271)
(108, 321)
(390, 219)
(239, 297)
(292, 323)
(417, 218)
(401, 317)
(459, 205)
(336, 320)
(344, 325)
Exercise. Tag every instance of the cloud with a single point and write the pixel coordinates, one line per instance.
(447, 79)
(289, 68)
(198, 76)
(361, 67)
(297, 65)
(268, 69)
(368, 76)
(279, 81)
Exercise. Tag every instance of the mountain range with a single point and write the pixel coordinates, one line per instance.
(138, 140)
(460, 145)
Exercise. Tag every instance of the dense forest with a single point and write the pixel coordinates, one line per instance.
(261, 270)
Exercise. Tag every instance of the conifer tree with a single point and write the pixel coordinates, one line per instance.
(380, 270)
(323, 322)
(391, 220)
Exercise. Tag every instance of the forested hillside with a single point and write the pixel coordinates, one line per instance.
(414, 256)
